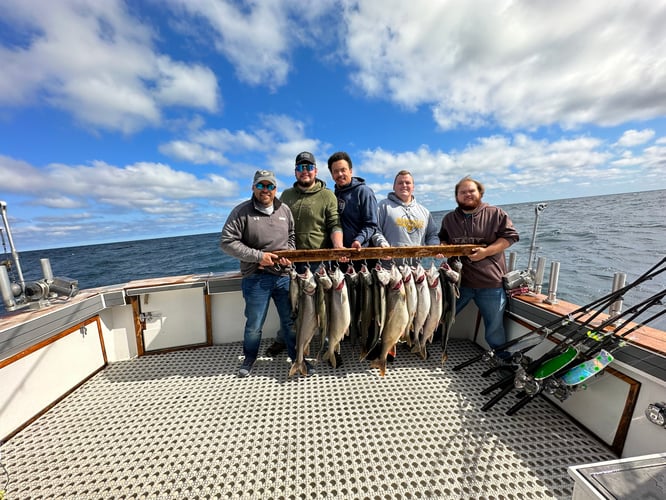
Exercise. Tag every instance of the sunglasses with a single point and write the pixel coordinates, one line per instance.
(260, 186)
(305, 166)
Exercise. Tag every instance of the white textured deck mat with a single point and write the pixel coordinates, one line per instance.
(183, 426)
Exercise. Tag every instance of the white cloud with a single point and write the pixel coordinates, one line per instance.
(635, 137)
(254, 37)
(278, 138)
(516, 164)
(94, 60)
(514, 63)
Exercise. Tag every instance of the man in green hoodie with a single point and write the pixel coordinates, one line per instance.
(316, 219)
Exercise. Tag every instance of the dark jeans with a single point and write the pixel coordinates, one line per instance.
(258, 288)
(491, 303)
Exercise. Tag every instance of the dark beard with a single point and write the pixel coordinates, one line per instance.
(305, 185)
(469, 207)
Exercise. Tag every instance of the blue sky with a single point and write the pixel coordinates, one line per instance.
(131, 120)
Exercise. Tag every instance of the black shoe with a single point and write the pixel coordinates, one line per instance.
(310, 368)
(275, 349)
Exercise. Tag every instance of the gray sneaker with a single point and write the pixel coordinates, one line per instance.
(246, 368)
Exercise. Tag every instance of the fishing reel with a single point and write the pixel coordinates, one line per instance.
(558, 389)
(516, 280)
(527, 383)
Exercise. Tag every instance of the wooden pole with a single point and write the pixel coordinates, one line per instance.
(375, 252)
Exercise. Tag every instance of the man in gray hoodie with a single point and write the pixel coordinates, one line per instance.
(402, 220)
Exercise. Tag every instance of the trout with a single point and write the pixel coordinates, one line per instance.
(324, 285)
(352, 279)
(339, 315)
(397, 317)
(450, 279)
(381, 278)
(410, 292)
(435, 313)
(366, 307)
(422, 306)
(306, 321)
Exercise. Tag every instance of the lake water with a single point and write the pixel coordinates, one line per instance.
(592, 238)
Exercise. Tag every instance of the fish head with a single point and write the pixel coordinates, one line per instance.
(350, 270)
(307, 281)
(337, 277)
(432, 275)
(395, 278)
(406, 272)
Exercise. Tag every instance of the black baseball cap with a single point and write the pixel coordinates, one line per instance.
(305, 157)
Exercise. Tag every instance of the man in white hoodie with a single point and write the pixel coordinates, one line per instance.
(402, 220)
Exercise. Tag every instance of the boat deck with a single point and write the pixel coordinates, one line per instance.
(182, 425)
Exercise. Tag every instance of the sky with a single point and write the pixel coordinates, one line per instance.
(143, 119)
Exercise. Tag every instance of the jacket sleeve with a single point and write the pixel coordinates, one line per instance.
(506, 229)
(332, 216)
(368, 216)
(378, 239)
(232, 236)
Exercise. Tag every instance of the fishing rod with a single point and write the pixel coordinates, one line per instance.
(508, 383)
(570, 381)
(554, 367)
(562, 321)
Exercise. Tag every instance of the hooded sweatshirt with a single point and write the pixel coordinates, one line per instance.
(315, 212)
(483, 227)
(404, 224)
(357, 207)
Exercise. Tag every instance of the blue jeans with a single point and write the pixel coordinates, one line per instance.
(258, 289)
(491, 303)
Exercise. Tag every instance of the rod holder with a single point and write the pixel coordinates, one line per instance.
(552, 283)
(538, 275)
(6, 290)
(512, 261)
(619, 280)
(46, 269)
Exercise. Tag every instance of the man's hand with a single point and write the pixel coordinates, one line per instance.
(269, 259)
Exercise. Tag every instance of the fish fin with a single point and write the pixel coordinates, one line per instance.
(379, 363)
(445, 356)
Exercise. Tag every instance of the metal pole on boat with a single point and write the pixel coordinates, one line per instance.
(552, 283)
(15, 256)
(538, 208)
(512, 261)
(46, 269)
(6, 290)
(619, 280)
(538, 277)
